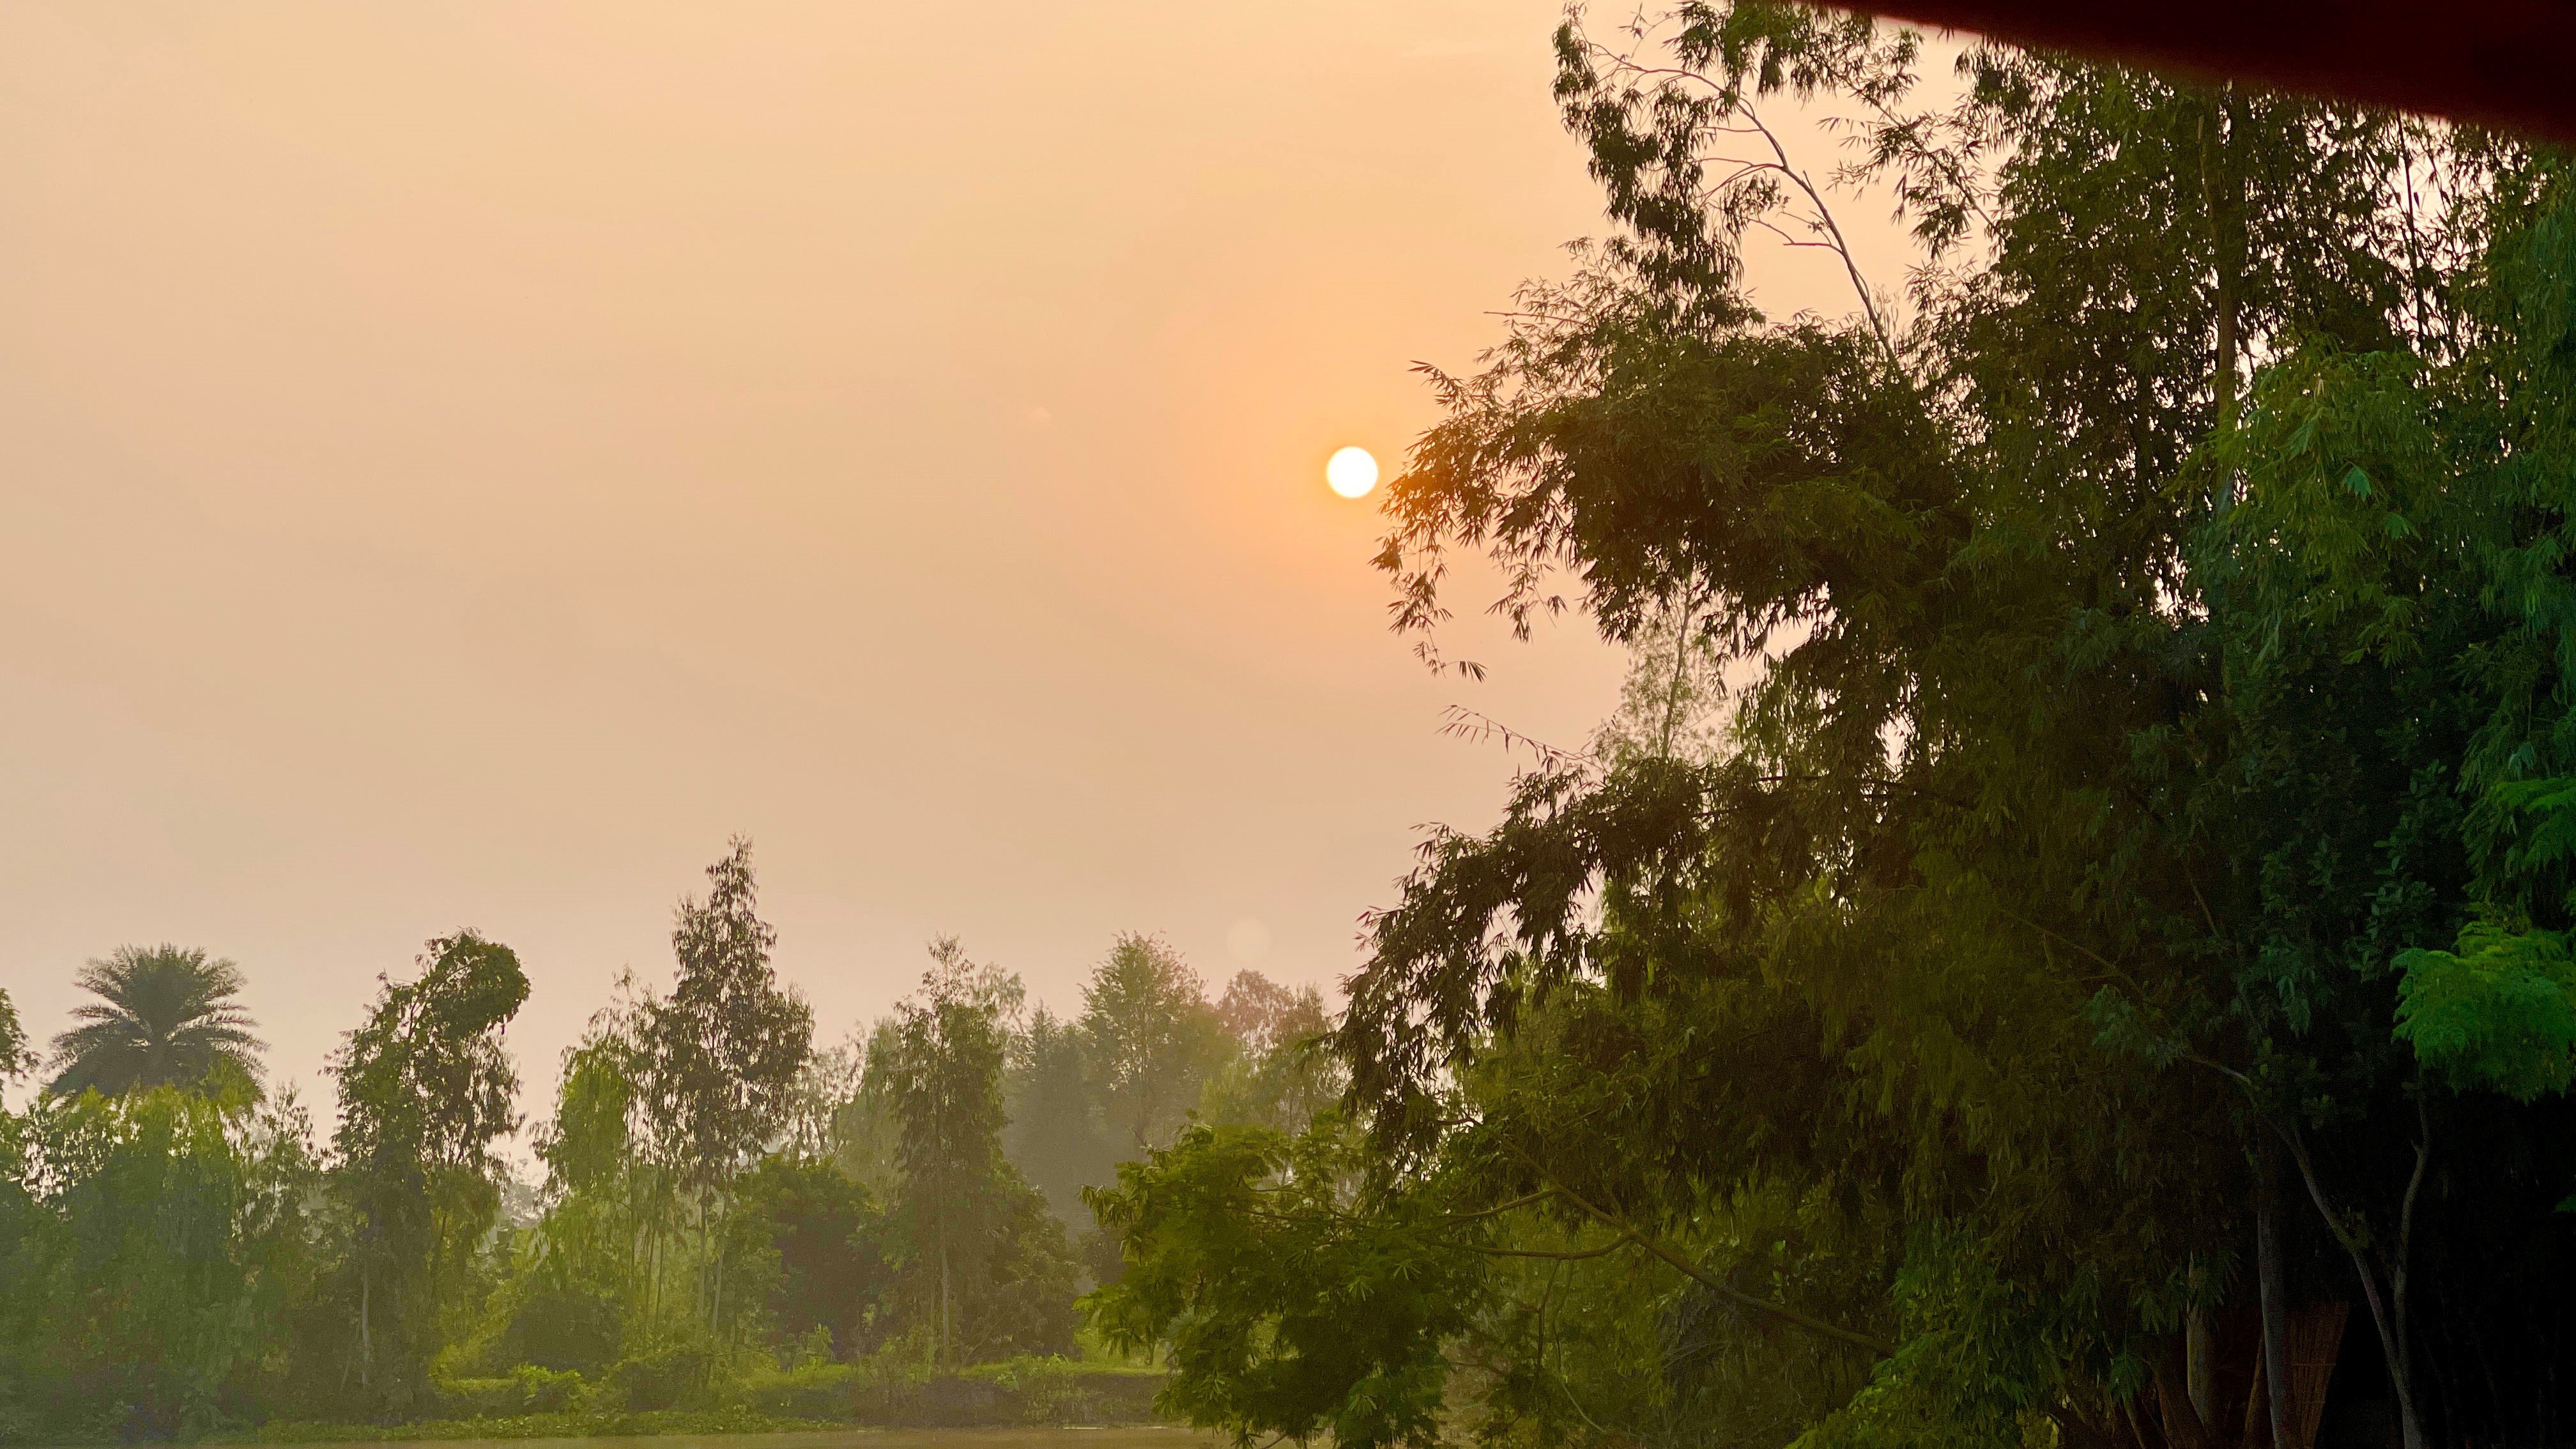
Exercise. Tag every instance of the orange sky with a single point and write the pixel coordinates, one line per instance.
(459, 462)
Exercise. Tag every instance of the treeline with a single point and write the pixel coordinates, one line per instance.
(726, 1213)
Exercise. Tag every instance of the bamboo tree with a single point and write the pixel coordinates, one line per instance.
(2101, 716)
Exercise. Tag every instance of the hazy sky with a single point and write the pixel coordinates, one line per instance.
(460, 462)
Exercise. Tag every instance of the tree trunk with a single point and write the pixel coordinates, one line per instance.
(2390, 1322)
(366, 1328)
(2272, 1285)
(2223, 191)
(2200, 1360)
(2183, 1426)
(2397, 1274)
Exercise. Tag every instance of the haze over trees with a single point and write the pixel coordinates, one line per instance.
(727, 1216)
(2063, 943)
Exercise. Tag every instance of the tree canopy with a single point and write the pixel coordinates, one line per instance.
(2125, 889)
(426, 1088)
(165, 1017)
(15, 1057)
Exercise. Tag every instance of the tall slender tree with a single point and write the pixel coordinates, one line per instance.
(987, 1266)
(722, 1057)
(726, 1047)
(426, 1087)
(942, 1076)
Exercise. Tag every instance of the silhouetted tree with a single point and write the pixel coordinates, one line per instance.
(723, 1054)
(165, 1017)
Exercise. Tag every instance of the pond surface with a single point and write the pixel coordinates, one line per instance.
(1134, 1437)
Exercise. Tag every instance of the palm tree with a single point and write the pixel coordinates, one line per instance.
(165, 1017)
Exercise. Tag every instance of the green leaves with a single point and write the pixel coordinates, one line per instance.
(2101, 728)
(164, 1017)
(2343, 470)
(722, 1054)
(1980, 1362)
(426, 1081)
(2538, 819)
(1287, 1309)
(15, 1058)
(426, 1087)
(2499, 1013)
(1149, 1039)
(153, 1240)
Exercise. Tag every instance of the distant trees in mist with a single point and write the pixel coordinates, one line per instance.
(722, 1209)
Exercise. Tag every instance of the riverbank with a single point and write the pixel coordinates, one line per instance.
(661, 1423)
(1017, 1402)
(659, 1396)
(696, 1430)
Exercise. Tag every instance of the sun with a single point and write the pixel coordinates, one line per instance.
(1352, 472)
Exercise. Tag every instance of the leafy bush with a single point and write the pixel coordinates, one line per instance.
(544, 1391)
(1054, 1390)
(526, 1389)
(1027, 1390)
(531, 1426)
(554, 1320)
(677, 1377)
(808, 1391)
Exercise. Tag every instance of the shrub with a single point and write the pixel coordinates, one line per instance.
(670, 1378)
(546, 1391)
(808, 1391)
(526, 1389)
(555, 1322)
(692, 1422)
(1051, 1390)
(478, 1398)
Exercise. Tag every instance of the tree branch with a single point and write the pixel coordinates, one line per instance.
(1673, 1259)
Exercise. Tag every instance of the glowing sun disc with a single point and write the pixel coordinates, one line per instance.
(1352, 472)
